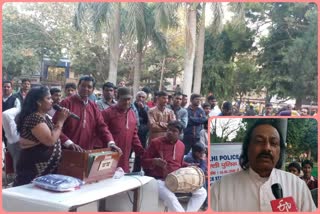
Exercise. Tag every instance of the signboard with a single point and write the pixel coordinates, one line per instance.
(224, 159)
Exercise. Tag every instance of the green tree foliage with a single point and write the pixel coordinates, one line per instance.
(288, 58)
(224, 67)
(302, 137)
(26, 40)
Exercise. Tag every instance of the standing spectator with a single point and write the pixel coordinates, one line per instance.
(141, 109)
(204, 135)
(10, 134)
(122, 83)
(184, 101)
(226, 109)
(8, 101)
(196, 119)
(56, 99)
(152, 103)
(159, 116)
(178, 89)
(304, 112)
(11, 107)
(181, 113)
(170, 101)
(25, 87)
(206, 108)
(268, 110)
(70, 89)
(250, 112)
(122, 124)
(80, 134)
(294, 168)
(215, 110)
(108, 96)
(311, 181)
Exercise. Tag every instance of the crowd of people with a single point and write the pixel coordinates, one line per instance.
(165, 133)
(161, 135)
(261, 160)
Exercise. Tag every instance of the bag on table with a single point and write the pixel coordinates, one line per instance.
(58, 183)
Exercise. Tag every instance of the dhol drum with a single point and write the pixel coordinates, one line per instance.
(185, 180)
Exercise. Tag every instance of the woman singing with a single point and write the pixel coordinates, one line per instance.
(41, 150)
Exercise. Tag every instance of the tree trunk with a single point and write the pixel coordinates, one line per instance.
(162, 72)
(114, 46)
(137, 70)
(191, 16)
(199, 54)
(298, 103)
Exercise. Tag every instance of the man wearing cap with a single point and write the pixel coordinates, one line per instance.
(108, 96)
(122, 124)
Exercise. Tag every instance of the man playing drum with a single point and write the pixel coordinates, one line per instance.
(165, 155)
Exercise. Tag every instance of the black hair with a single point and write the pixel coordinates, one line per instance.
(146, 90)
(268, 105)
(194, 96)
(205, 105)
(176, 124)
(70, 85)
(178, 94)
(87, 78)
(161, 94)
(295, 165)
(211, 97)
(25, 80)
(307, 162)
(227, 105)
(6, 81)
(30, 104)
(184, 95)
(244, 160)
(108, 85)
(54, 90)
(198, 147)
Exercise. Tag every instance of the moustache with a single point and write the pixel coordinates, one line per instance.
(265, 155)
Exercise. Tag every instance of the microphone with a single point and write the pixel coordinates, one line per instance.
(282, 204)
(57, 107)
(141, 173)
(277, 190)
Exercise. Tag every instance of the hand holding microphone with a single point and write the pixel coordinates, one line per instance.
(59, 109)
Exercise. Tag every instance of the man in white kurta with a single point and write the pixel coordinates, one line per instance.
(261, 160)
(246, 191)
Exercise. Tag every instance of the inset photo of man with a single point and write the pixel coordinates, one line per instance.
(267, 165)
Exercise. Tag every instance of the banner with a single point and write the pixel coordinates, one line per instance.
(224, 159)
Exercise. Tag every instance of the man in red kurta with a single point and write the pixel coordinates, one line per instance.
(80, 134)
(122, 123)
(163, 156)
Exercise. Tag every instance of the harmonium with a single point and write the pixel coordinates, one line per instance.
(90, 165)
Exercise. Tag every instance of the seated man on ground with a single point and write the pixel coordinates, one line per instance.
(163, 156)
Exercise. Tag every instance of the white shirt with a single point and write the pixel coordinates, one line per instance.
(215, 111)
(9, 125)
(246, 191)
